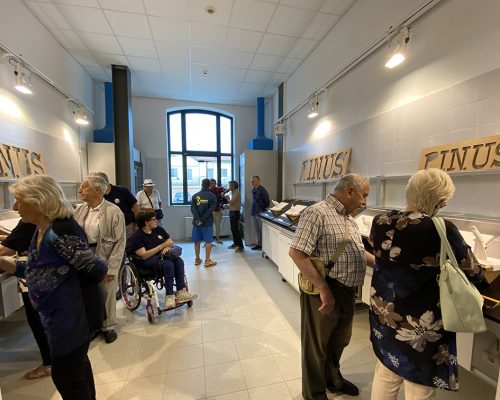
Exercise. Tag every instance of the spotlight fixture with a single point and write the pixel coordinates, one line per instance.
(398, 55)
(23, 80)
(80, 116)
(313, 110)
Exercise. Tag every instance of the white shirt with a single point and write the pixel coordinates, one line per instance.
(143, 202)
(91, 223)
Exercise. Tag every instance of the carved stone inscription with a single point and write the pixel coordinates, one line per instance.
(16, 162)
(325, 168)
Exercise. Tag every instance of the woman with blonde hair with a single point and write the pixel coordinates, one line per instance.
(62, 275)
(406, 329)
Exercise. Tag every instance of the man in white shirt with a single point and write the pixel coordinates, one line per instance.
(149, 199)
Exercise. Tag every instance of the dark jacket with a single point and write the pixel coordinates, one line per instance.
(62, 277)
(202, 206)
(260, 200)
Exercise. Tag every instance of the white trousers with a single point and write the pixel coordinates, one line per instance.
(386, 386)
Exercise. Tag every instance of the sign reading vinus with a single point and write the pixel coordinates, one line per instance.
(481, 154)
(16, 162)
(326, 167)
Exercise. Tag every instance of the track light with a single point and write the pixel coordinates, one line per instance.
(313, 110)
(398, 55)
(23, 80)
(80, 116)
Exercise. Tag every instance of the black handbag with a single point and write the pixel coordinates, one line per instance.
(174, 252)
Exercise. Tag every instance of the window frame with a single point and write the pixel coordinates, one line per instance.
(218, 154)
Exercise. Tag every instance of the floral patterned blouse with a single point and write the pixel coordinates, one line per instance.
(406, 329)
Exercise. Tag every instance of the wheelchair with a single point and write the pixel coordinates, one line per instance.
(137, 283)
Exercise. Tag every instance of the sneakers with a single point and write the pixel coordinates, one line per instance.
(218, 241)
(210, 263)
(240, 249)
(38, 372)
(257, 247)
(170, 301)
(183, 296)
(109, 336)
(197, 261)
(233, 246)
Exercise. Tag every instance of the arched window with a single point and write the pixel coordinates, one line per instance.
(200, 145)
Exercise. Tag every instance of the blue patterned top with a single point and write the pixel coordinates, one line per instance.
(406, 329)
(62, 277)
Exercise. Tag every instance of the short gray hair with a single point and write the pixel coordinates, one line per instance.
(350, 180)
(46, 193)
(101, 174)
(97, 181)
(426, 188)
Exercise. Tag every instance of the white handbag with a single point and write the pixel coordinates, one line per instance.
(461, 302)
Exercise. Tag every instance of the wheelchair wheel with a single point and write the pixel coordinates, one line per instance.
(190, 303)
(151, 312)
(129, 286)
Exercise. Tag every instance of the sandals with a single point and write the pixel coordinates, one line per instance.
(39, 372)
(197, 261)
(210, 263)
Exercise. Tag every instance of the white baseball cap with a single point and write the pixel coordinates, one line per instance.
(148, 182)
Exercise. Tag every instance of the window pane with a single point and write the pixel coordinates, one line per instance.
(225, 135)
(225, 170)
(176, 177)
(201, 132)
(175, 132)
(200, 168)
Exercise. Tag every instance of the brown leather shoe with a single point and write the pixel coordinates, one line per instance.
(39, 372)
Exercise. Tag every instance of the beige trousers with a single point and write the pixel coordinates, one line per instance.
(217, 220)
(386, 386)
(109, 294)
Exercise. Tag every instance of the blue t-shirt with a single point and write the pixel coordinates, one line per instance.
(121, 196)
(149, 241)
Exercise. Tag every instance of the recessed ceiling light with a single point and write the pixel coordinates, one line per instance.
(210, 10)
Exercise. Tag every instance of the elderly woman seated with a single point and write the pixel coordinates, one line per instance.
(151, 243)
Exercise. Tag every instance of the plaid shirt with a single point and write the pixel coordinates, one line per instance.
(321, 228)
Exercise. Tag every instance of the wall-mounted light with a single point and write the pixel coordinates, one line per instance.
(23, 79)
(80, 116)
(398, 54)
(313, 110)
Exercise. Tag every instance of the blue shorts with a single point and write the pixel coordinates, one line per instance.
(202, 233)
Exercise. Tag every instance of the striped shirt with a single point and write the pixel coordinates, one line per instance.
(321, 228)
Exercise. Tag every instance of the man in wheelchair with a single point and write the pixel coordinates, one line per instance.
(152, 244)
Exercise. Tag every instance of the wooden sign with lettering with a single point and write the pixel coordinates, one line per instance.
(16, 162)
(481, 154)
(326, 167)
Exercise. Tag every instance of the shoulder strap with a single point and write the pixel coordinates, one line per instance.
(446, 251)
(149, 198)
(341, 247)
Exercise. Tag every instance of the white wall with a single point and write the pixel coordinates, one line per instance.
(150, 130)
(43, 121)
(443, 93)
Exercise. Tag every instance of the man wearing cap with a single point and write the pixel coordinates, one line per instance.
(149, 199)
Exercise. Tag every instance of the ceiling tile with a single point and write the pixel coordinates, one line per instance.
(171, 8)
(307, 4)
(302, 48)
(206, 55)
(84, 58)
(207, 35)
(261, 77)
(235, 58)
(86, 19)
(337, 7)
(217, 72)
(130, 25)
(169, 30)
(133, 6)
(53, 14)
(278, 78)
(289, 65)
(101, 43)
(176, 68)
(149, 78)
(138, 47)
(245, 99)
(220, 17)
(251, 88)
(238, 39)
(106, 60)
(70, 40)
(145, 64)
(83, 3)
(269, 90)
(172, 50)
(320, 26)
(98, 74)
(251, 14)
(276, 45)
(264, 62)
(290, 21)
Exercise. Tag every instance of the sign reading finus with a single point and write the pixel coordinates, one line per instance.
(16, 162)
(481, 154)
(326, 167)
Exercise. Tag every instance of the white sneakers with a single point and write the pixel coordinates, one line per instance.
(170, 301)
(183, 296)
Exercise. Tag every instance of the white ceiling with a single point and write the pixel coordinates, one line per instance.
(176, 50)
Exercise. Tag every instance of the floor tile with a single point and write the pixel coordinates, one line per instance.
(261, 371)
(184, 357)
(147, 388)
(277, 391)
(219, 352)
(224, 378)
(185, 385)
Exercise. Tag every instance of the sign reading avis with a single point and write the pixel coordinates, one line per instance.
(326, 167)
(481, 154)
(16, 162)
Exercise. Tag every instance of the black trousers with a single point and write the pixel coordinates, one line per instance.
(234, 219)
(323, 339)
(72, 375)
(36, 327)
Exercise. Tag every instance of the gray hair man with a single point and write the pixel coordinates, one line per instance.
(327, 318)
(104, 225)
